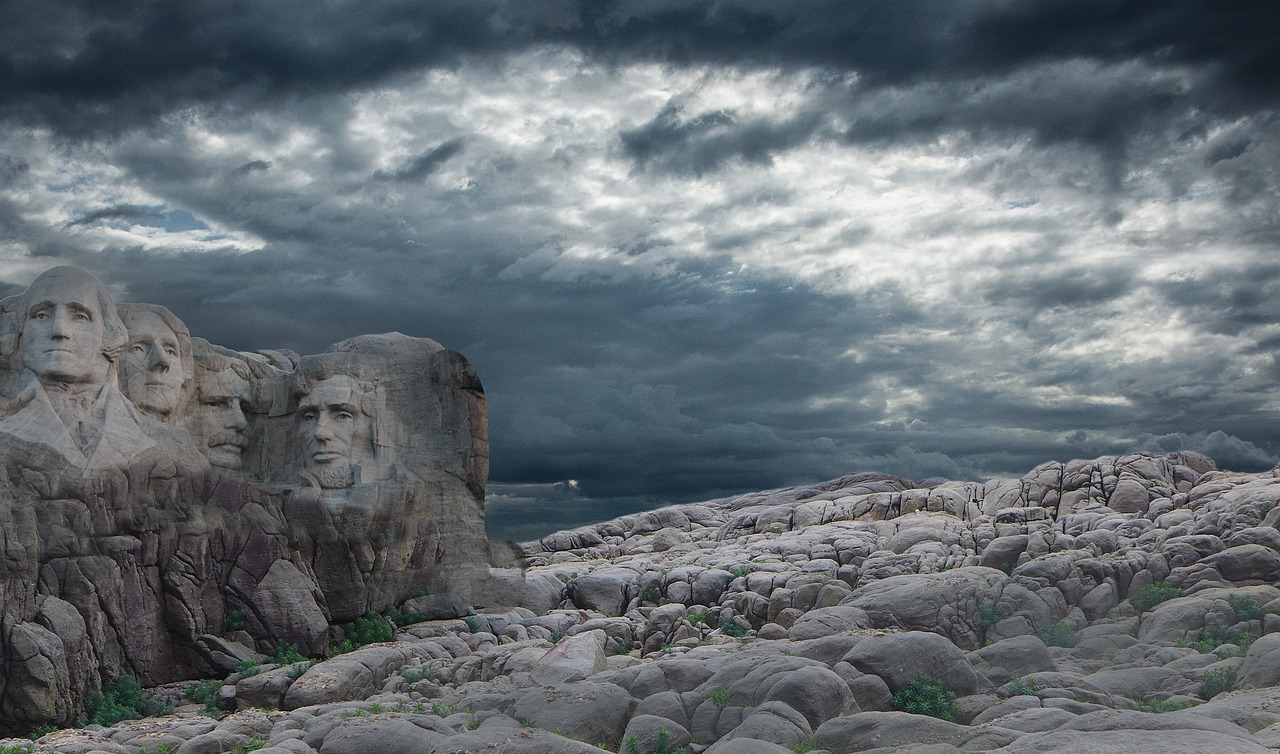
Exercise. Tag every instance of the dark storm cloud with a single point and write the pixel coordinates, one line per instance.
(676, 143)
(425, 164)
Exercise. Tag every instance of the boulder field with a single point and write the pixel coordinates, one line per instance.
(1125, 604)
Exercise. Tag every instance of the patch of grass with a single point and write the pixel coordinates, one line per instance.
(1021, 687)
(18, 749)
(739, 571)
(1265, 507)
(253, 744)
(287, 654)
(121, 698)
(235, 620)
(1153, 594)
(926, 696)
(248, 668)
(697, 616)
(649, 594)
(208, 694)
(475, 624)
(413, 675)
(808, 744)
(617, 647)
(1157, 706)
(989, 614)
(404, 617)
(1218, 681)
(299, 669)
(723, 696)
(661, 744)
(1209, 638)
(1056, 633)
(1245, 607)
(730, 627)
(40, 731)
(370, 628)
(442, 710)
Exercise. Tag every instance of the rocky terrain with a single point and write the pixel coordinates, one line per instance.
(1126, 604)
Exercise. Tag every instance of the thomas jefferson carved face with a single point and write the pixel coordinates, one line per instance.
(62, 337)
(220, 423)
(151, 369)
(333, 428)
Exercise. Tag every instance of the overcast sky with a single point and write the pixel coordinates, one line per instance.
(692, 248)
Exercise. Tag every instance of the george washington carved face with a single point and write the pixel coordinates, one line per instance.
(66, 322)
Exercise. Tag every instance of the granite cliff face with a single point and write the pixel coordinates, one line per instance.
(166, 504)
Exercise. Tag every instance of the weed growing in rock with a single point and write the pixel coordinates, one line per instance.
(208, 694)
(248, 668)
(19, 749)
(40, 731)
(730, 627)
(121, 698)
(236, 619)
(299, 669)
(370, 628)
(989, 614)
(287, 654)
(161, 749)
(1265, 507)
(1245, 607)
(617, 647)
(723, 696)
(1153, 594)
(1021, 687)
(1209, 638)
(1218, 681)
(926, 696)
(475, 624)
(808, 744)
(661, 744)
(413, 675)
(253, 744)
(404, 618)
(1056, 633)
(1162, 705)
(442, 710)
(697, 616)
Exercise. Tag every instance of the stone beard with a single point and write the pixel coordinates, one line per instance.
(151, 371)
(219, 424)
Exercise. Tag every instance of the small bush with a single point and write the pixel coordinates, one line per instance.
(253, 744)
(989, 614)
(1162, 705)
(730, 627)
(475, 624)
(697, 616)
(236, 619)
(1056, 633)
(413, 675)
(926, 696)
(404, 618)
(1021, 687)
(1218, 681)
(248, 668)
(287, 654)
(208, 694)
(40, 731)
(120, 699)
(370, 628)
(1153, 594)
(1211, 637)
(661, 744)
(299, 668)
(19, 749)
(442, 710)
(723, 696)
(1245, 607)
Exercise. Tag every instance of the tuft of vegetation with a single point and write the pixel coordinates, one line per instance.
(989, 614)
(1157, 706)
(1021, 687)
(253, 744)
(697, 616)
(926, 696)
(723, 696)
(730, 627)
(1153, 594)
(475, 624)
(121, 698)
(41, 731)
(404, 618)
(298, 669)
(1217, 681)
(235, 620)
(1056, 633)
(370, 628)
(1245, 607)
(248, 668)
(661, 744)
(618, 647)
(287, 654)
(208, 694)
(1209, 638)
(808, 744)
(442, 710)
(1265, 507)
(18, 749)
(649, 594)
(413, 675)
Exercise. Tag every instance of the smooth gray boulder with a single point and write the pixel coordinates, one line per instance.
(593, 712)
(903, 657)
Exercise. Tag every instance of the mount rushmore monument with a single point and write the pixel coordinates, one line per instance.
(161, 496)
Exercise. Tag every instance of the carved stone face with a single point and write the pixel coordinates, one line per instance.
(61, 339)
(219, 423)
(332, 425)
(151, 369)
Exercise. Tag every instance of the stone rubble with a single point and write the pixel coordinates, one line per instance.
(788, 620)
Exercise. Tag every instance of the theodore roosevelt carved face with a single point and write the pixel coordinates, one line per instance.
(219, 423)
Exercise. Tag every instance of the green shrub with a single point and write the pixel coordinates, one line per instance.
(723, 696)
(697, 616)
(19, 749)
(1021, 687)
(1056, 633)
(1213, 636)
(41, 730)
(730, 627)
(121, 698)
(475, 624)
(248, 668)
(989, 614)
(299, 669)
(661, 744)
(1218, 681)
(808, 744)
(926, 696)
(370, 628)
(1153, 594)
(442, 710)
(1245, 607)
(413, 675)
(1162, 705)
(287, 654)
(253, 744)
(236, 619)
(208, 694)
(404, 618)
